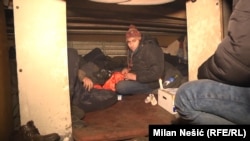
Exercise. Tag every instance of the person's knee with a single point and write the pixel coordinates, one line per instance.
(178, 97)
(119, 88)
(181, 90)
(181, 94)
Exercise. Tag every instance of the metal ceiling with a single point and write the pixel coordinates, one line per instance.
(135, 2)
(87, 17)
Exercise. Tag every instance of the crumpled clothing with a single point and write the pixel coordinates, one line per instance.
(111, 82)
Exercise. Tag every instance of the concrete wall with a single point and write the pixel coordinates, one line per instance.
(205, 31)
(41, 46)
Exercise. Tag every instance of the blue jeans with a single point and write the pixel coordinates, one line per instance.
(132, 87)
(210, 102)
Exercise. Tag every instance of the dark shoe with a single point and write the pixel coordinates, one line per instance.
(77, 112)
(77, 116)
(77, 123)
(29, 132)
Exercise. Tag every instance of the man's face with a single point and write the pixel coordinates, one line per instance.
(133, 42)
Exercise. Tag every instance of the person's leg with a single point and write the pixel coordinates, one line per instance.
(77, 115)
(132, 87)
(211, 102)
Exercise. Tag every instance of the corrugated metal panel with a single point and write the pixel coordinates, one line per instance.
(108, 48)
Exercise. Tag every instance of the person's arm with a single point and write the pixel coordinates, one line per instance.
(125, 70)
(154, 58)
(87, 82)
(230, 62)
(130, 76)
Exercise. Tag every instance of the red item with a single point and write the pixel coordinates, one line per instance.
(97, 86)
(115, 78)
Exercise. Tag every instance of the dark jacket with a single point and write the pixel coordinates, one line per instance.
(231, 62)
(148, 62)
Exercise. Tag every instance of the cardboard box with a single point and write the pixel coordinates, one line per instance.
(166, 99)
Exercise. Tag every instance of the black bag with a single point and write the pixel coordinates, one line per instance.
(96, 99)
(73, 66)
(96, 56)
(173, 73)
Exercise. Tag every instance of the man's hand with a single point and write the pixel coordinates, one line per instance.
(87, 83)
(125, 71)
(130, 76)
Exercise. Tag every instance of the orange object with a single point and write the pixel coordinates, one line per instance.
(97, 86)
(115, 78)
